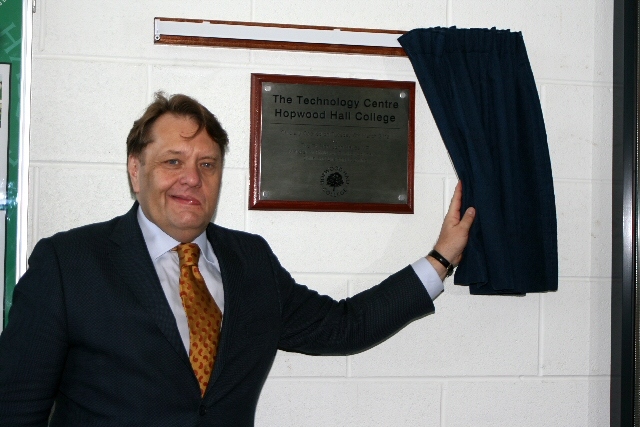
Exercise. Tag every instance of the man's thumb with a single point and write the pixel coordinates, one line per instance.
(468, 217)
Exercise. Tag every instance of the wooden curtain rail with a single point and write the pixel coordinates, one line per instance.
(255, 35)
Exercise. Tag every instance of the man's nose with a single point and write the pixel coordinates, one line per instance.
(191, 175)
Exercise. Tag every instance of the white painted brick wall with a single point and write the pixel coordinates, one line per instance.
(541, 360)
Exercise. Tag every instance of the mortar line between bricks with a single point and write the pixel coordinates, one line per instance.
(540, 335)
(243, 64)
(245, 192)
(560, 82)
(529, 378)
(122, 164)
(35, 208)
(149, 78)
(75, 163)
(383, 274)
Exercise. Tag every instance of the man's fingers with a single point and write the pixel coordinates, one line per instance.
(468, 218)
(456, 202)
(455, 230)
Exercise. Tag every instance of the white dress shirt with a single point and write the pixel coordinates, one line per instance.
(167, 265)
(165, 260)
(429, 277)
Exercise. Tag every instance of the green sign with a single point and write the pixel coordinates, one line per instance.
(11, 53)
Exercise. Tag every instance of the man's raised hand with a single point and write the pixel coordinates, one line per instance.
(454, 233)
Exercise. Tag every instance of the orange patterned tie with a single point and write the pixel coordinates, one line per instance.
(203, 315)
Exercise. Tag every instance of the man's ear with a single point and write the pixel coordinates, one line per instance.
(133, 167)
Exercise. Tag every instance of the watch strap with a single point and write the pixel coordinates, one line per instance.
(442, 260)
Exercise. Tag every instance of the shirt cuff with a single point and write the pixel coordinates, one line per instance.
(429, 277)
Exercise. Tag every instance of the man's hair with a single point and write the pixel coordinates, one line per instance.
(181, 106)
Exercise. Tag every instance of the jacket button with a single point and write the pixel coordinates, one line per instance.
(203, 410)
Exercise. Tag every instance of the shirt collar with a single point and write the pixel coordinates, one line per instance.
(158, 242)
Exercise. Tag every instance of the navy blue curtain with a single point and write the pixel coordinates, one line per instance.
(480, 89)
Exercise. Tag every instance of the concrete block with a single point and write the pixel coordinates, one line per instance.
(300, 365)
(354, 242)
(573, 209)
(232, 204)
(404, 15)
(602, 133)
(330, 64)
(601, 229)
(83, 111)
(386, 68)
(558, 35)
(309, 403)
(197, 56)
(70, 196)
(348, 403)
(525, 403)
(568, 115)
(120, 28)
(566, 329)
(431, 156)
(466, 336)
(600, 327)
(603, 41)
(396, 404)
(599, 402)
(31, 228)
(450, 184)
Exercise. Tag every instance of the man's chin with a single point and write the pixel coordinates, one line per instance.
(190, 222)
(185, 232)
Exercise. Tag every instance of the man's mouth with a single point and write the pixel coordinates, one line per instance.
(185, 200)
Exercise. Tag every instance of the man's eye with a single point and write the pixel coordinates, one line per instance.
(208, 165)
(173, 162)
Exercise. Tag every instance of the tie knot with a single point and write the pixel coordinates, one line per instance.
(188, 253)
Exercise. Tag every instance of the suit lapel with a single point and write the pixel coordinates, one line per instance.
(135, 267)
(133, 263)
(232, 273)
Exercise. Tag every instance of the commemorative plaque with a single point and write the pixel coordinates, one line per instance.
(329, 144)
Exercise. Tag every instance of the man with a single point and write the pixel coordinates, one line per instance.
(101, 325)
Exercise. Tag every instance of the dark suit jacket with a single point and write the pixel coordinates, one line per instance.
(90, 329)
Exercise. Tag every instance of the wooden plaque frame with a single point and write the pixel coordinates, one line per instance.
(255, 199)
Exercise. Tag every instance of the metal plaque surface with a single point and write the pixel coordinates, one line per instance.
(332, 144)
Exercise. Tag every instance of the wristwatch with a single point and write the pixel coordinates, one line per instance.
(442, 260)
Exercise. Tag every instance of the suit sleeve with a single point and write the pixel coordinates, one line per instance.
(317, 324)
(33, 346)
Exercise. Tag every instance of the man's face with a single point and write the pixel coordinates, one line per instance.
(177, 177)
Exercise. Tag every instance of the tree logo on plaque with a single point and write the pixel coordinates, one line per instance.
(334, 181)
